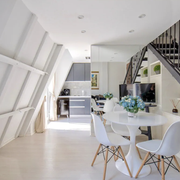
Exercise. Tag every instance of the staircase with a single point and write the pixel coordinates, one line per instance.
(166, 48)
(134, 66)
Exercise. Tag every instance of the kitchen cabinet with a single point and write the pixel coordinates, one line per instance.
(87, 71)
(79, 72)
(71, 74)
(79, 106)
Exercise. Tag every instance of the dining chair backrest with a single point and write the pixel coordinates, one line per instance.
(99, 130)
(170, 143)
(118, 128)
(93, 103)
(108, 106)
(117, 107)
(115, 100)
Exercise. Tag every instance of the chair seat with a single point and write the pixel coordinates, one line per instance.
(117, 140)
(151, 145)
(98, 109)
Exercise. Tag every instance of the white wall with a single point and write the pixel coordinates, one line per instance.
(62, 71)
(111, 74)
(28, 60)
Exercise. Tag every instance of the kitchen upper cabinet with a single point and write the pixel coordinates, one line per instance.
(87, 71)
(79, 72)
(71, 74)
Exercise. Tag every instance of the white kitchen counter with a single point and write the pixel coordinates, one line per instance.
(74, 96)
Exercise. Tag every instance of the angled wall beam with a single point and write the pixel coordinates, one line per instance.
(9, 114)
(37, 101)
(13, 62)
(35, 90)
(25, 35)
(5, 78)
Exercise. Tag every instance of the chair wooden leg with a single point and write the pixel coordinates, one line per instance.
(100, 115)
(177, 164)
(162, 169)
(112, 147)
(142, 164)
(158, 162)
(104, 121)
(120, 149)
(105, 164)
(138, 152)
(96, 154)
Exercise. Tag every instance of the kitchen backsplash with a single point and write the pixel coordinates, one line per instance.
(78, 88)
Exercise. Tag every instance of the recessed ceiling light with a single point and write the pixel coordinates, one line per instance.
(115, 53)
(131, 31)
(112, 57)
(80, 17)
(142, 16)
(83, 31)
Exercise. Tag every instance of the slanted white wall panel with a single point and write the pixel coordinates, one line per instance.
(29, 49)
(27, 94)
(62, 71)
(3, 68)
(14, 28)
(10, 134)
(14, 86)
(2, 124)
(5, 11)
(43, 55)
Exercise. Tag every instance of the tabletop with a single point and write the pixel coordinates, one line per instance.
(141, 119)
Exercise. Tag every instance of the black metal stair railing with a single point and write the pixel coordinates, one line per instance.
(134, 66)
(168, 49)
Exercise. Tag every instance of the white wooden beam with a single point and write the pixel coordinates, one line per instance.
(5, 115)
(25, 35)
(51, 68)
(39, 49)
(5, 78)
(8, 60)
(35, 91)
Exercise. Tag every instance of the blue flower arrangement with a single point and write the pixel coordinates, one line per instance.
(132, 104)
(108, 95)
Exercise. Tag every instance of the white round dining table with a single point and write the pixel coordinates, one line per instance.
(133, 123)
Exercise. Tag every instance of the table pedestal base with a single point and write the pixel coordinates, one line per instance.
(132, 158)
(133, 166)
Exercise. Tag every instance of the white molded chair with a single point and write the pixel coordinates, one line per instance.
(107, 140)
(108, 107)
(121, 129)
(115, 100)
(165, 148)
(96, 109)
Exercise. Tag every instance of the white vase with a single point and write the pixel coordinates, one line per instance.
(131, 114)
(107, 99)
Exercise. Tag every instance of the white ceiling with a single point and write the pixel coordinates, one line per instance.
(105, 21)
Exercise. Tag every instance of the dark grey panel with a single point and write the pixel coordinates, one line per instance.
(87, 110)
(77, 111)
(87, 71)
(71, 74)
(77, 102)
(78, 72)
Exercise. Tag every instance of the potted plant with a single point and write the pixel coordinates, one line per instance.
(145, 72)
(157, 69)
(132, 104)
(108, 95)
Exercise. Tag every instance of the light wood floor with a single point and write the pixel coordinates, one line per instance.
(62, 154)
